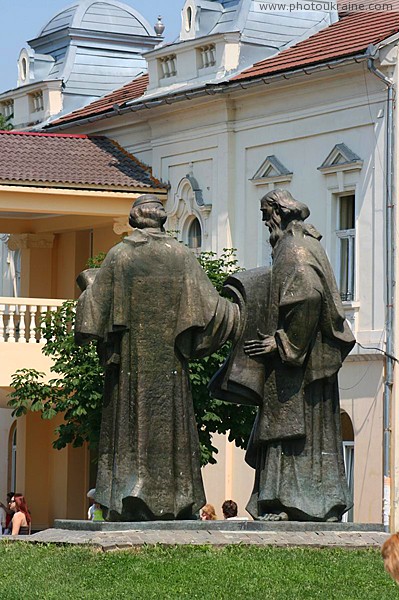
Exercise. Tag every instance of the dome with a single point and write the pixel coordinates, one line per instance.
(93, 15)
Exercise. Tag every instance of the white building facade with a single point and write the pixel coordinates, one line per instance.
(323, 137)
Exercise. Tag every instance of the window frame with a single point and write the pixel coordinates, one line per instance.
(7, 108)
(350, 235)
(348, 448)
(36, 101)
(188, 228)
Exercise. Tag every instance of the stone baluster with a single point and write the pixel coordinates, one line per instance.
(11, 324)
(43, 312)
(22, 326)
(32, 325)
(2, 311)
(53, 309)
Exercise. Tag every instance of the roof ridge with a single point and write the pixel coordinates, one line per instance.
(350, 35)
(103, 102)
(135, 159)
(72, 160)
(42, 134)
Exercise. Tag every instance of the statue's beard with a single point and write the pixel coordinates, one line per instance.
(274, 225)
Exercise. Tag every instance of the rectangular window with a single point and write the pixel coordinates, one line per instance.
(168, 66)
(7, 108)
(206, 55)
(346, 247)
(37, 101)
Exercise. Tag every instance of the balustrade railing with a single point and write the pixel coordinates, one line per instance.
(20, 319)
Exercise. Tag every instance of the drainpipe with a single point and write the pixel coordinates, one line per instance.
(390, 285)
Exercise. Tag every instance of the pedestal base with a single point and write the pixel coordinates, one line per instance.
(235, 525)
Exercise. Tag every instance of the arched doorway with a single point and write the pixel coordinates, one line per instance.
(348, 443)
(12, 458)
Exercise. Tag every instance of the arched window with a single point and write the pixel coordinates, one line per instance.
(12, 457)
(194, 236)
(189, 18)
(24, 68)
(348, 442)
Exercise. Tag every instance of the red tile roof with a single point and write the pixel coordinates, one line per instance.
(130, 91)
(348, 37)
(71, 160)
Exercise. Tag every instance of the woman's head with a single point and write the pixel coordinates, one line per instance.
(18, 504)
(208, 513)
(390, 554)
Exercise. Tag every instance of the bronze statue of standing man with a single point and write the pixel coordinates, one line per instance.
(290, 344)
(152, 308)
(299, 474)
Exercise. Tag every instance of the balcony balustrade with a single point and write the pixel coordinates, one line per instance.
(20, 318)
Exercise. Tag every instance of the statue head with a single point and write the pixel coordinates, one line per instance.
(147, 213)
(279, 209)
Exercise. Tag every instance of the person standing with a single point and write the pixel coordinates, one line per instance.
(21, 521)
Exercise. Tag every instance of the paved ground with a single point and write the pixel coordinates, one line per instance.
(115, 540)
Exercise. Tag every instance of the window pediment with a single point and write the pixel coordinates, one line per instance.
(341, 158)
(272, 171)
(189, 198)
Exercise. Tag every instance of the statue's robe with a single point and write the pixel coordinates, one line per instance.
(296, 445)
(152, 308)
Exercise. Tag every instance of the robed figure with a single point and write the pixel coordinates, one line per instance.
(292, 340)
(152, 308)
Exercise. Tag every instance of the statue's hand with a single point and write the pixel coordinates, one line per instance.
(266, 344)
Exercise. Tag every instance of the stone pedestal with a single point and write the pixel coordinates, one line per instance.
(197, 525)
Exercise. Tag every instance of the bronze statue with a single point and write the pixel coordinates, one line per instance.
(289, 347)
(151, 307)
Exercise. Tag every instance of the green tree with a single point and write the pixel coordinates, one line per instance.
(76, 389)
(5, 123)
(216, 416)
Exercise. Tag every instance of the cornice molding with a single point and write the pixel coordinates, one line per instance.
(24, 241)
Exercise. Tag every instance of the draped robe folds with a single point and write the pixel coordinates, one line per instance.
(296, 445)
(151, 307)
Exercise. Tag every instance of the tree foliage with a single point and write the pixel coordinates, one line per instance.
(216, 416)
(5, 123)
(76, 389)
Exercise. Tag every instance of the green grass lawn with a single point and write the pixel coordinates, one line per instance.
(235, 572)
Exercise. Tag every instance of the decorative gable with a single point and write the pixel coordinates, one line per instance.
(189, 194)
(187, 207)
(341, 158)
(272, 171)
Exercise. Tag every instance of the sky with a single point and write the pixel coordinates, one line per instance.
(23, 19)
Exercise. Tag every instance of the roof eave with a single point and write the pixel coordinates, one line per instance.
(214, 89)
(82, 188)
